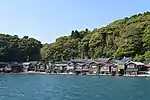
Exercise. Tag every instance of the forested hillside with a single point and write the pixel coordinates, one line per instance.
(13, 48)
(123, 37)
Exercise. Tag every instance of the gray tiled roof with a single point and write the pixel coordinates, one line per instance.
(136, 63)
(3, 63)
(78, 61)
(126, 59)
(89, 61)
(103, 59)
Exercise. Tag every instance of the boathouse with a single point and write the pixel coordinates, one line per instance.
(26, 66)
(5, 67)
(70, 67)
(92, 66)
(132, 68)
(104, 65)
(120, 70)
(59, 67)
(79, 68)
(41, 67)
(33, 66)
(30, 66)
(106, 68)
(16, 68)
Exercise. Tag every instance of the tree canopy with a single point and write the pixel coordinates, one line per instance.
(123, 37)
(13, 48)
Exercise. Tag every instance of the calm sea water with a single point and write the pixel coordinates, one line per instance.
(51, 87)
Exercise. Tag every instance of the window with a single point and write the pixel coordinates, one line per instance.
(131, 66)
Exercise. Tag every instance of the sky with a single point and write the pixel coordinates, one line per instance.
(47, 20)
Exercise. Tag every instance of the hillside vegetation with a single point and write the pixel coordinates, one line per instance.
(13, 48)
(123, 37)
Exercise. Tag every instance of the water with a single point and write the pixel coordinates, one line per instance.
(51, 87)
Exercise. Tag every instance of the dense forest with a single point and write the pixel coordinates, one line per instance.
(124, 37)
(13, 48)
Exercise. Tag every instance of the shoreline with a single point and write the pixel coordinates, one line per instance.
(22, 73)
(44, 73)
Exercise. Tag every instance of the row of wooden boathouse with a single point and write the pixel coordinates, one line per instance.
(15, 67)
(101, 66)
(84, 67)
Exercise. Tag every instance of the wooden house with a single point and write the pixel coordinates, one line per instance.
(120, 70)
(85, 70)
(26, 66)
(5, 67)
(33, 66)
(105, 66)
(92, 66)
(105, 69)
(59, 67)
(132, 68)
(30, 66)
(41, 67)
(79, 67)
(16, 68)
(148, 68)
(48, 67)
(70, 67)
